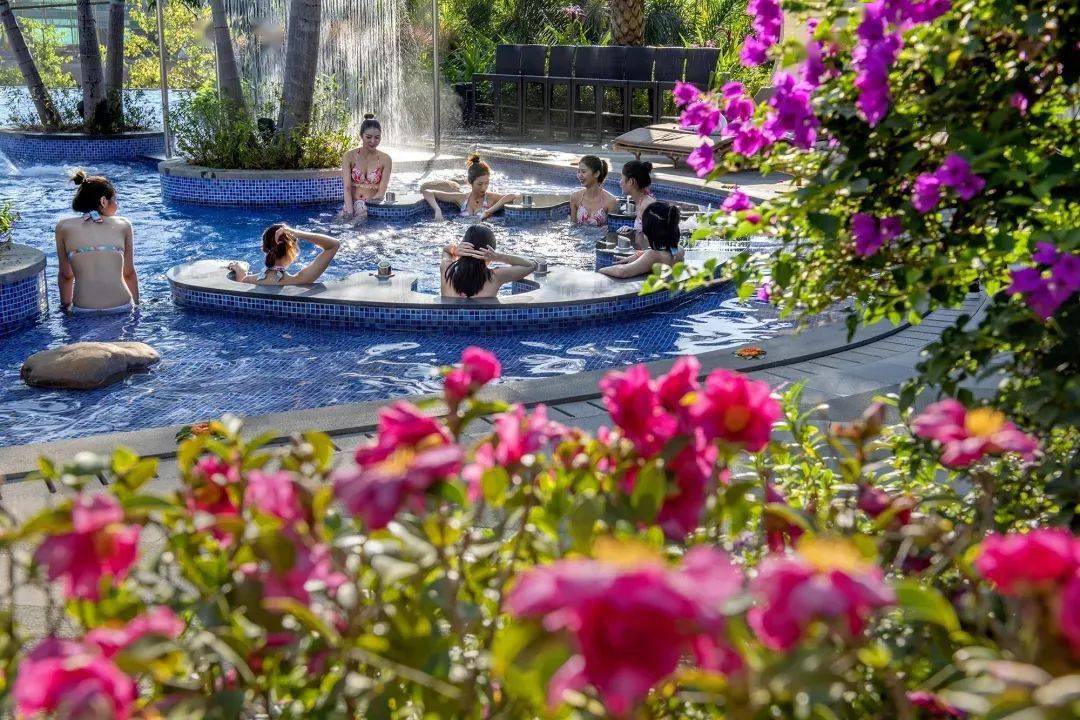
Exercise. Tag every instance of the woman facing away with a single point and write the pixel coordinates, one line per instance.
(661, 229)
(281, 244)
(464, 268)
(96, 258)
(365, 170)
(478, 202)
(591, 205)
(635, 182)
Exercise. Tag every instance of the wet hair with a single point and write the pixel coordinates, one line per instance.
(640, 172)
(370, 123)
(91, 189)
(467, 275)
(597, 165)
(660, 224)
(276, 248)
(477, 168)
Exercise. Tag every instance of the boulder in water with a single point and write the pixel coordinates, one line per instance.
(87, 365)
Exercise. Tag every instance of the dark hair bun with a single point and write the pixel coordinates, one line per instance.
(474, 158)
(78, 177)
(647, 165)
(369, 116)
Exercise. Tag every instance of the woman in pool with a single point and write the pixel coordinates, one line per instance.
(365, 170)
(478, 202)
(464, 268)
(281, 244)
(661, 223)
(96, 258)
(591, 205)
(635, 182)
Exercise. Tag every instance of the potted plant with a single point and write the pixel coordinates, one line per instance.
(8, 218)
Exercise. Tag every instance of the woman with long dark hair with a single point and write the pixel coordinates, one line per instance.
(281, 245)
(365, 170)
(660, 223)
(95, 251)
(478, 202)
(465, 268)
(634, 183)
(591, 205)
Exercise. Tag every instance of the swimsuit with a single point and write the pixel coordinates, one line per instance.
(369, 180)
(277, 270)
(94, 248)
(596, 217)
(126, 307)
(479, 211)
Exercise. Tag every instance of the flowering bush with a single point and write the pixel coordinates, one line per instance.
(712, 553)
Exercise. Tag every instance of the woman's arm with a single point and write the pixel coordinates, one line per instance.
(497, 205)
(519, 267)
(316, 267)
(433, 196)
(130, 278)
(639, 265)
(388, 167)
(575, 199)
(611, 203)
(65, 276)
(346, 181)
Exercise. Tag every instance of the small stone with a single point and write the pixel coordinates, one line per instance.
(87, 365)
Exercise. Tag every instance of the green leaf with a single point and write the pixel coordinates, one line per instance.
(494, 484)
(925, 604)
(322, 448)
(649, 491)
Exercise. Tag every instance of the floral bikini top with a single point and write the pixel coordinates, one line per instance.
(484, 205)
(372, 178)
(596, 218)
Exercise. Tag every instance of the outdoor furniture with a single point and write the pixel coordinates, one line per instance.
(639, 76)
(701, 65)
(666, 140)
(668, 70)
(560, 73)
(533, 72)
(507, 70)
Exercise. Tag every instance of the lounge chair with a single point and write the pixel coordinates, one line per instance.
(666, 139)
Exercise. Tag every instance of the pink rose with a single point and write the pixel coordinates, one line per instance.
(275, 494)
(736, 409)
(631, 398)
(160, 622)
(1020, 563)
(100, 546)
(967, 435)
(70, 679)
(516, 435)
(478, 368)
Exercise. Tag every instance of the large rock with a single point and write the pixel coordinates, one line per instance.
(87, 365)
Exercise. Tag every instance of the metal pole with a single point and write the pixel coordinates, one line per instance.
(436, 121)
(164, 79)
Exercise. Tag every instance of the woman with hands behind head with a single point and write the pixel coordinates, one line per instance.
(281, 244)
(465, 269)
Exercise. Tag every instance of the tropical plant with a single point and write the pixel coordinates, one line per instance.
(136, 111)
(301, 61)
(8, 217)
(44, 42)
(96, 110)
(682, 563)
(628, 22)
(228, 75)
(114, 57)
(190, 59)
(38, 93)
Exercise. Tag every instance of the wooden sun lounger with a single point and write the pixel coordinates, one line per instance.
(666, 139)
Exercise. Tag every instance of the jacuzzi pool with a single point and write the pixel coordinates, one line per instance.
(213, 364)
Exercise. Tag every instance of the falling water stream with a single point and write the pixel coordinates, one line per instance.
(361, 47)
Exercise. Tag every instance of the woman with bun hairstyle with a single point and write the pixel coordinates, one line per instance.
(635, 182)
(591, 205)
(465, 270)
(661, 229)
(478, 202)
(365, 170)
(95, 251)
(281, 245)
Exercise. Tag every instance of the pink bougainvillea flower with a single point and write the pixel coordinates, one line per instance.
(685, 93)
(631, 399)
(1045, 290)
(631, 623)
(100, 546)
(927, 193)
(311, 566)
(738, 106)
(754, 52)
(478, 368)
(736, 201)
(828, 581)
(749, 139)
(733, 408)
(702, 159)
(411, 453)
(159, 622)
(1019, 101)
(764, 292)
(790, 113)
(1068, 616)
(70, 679)
(933, 704)
(703, 116)
(966, 435)
(870, 235)
(955, 172)
(1020, 563)
(274, 493)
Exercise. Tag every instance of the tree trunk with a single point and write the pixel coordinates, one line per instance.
(628, 22)
(228, 75)
(95, 109)
(301, 63)
(114, 59)
(50, 118)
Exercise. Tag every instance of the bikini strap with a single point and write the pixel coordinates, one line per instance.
(94, 248)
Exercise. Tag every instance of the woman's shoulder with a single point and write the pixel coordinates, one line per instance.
(384, 156)
(577, 194)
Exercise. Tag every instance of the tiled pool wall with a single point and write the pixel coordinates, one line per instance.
(251, 192)
(29, 148)
(475, 318)
(23, 302)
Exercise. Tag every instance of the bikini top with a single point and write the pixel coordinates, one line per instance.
(371, 177)
(484, 205)
(278, 271)
(94, 248)
(596, 217)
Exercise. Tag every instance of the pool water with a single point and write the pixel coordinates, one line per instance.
(212, 364)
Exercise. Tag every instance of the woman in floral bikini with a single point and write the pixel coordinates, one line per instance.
(591, 205)
(365, 170)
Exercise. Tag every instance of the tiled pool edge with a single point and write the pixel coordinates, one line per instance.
(16, 461)
(25, 147)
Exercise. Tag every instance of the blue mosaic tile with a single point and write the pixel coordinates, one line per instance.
(23, 303)
(249, 192)
(33, 149)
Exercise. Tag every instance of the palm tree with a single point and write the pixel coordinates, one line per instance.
(301, 61)
(228, 74)
(95, 109)
(114, 59)
(628, 22)
(46, 111)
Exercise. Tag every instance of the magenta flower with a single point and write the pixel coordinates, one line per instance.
(736, 201)
(1022, 563)
(478, 368)
(631, 399)
(99, 547)
(1069, 613)
(1045, 290)
(703, 115)
(691, 470)
(749, 140)
(790, 113)
(955, 172)
(870, 235)
(966, 435)
(274, 493)
(70, 679)
(210, 492)
(312, 567)
(764, 292)
(927, 193)
(631, 625)
(833, 584)
(517, 435)
(1019, 101)
(702, 160)
(736, 409)
(934, 705)
(159, 622)
(754, 52)
(873, 56)
(573, 13)
(685, 93)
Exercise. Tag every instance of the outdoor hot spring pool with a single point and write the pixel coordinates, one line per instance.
(212, 364)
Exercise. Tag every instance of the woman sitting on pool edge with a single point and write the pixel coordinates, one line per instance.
(591, 205)
(635, 181)
(478, 202)
(661, 229)
(95, 252)
(464, 268)
(365, 170)
(281, 245)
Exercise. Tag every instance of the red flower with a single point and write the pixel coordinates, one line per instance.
(736, 409)
(968, 435)
(70, 679)
(632, 401)
(1019, 563)
(160, 621)
(478, 368)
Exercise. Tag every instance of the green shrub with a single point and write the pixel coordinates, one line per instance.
(137, 114)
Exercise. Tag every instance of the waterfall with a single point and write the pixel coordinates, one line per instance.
(361, 47)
